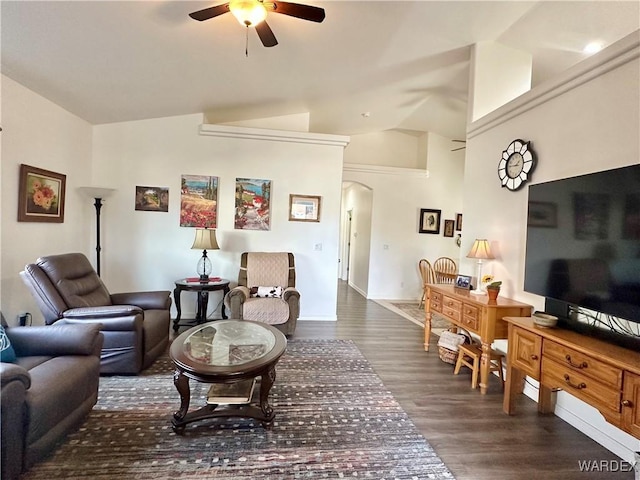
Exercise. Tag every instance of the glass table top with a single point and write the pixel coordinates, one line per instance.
(228, 342)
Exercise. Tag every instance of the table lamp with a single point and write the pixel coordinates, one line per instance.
(481, 251)
(205, 240)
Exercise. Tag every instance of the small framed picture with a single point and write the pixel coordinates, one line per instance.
(40, 195)
(458, 222)
(448, 228)
(429, 221)
(463, 282)
(152, 199)
(304, 208)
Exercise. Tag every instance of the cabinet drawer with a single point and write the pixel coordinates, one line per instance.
(436, 301)
(584, 364)
(602, 396)
(525, 351)
(470, 316)
(452, 308)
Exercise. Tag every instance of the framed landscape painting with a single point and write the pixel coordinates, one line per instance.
(252, 202)
(199, 201)
(152, 199)
(40, 195)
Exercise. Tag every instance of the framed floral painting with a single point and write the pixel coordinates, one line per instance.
(40, 195)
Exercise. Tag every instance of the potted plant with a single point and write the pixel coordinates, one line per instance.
(493, 289)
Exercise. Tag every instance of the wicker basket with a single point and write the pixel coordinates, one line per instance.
(448, 346)
(448, 356)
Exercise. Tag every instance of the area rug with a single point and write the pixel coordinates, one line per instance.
(412, 311)
(334, 419)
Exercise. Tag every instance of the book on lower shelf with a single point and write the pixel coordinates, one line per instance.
(231, 393)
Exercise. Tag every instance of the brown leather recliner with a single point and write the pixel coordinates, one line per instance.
(47, 391)
(135, 325)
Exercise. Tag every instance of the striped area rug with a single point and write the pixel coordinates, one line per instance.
(334, 419)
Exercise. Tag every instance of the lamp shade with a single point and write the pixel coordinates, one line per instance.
(96, 192)
(205, 240)
(480, 249)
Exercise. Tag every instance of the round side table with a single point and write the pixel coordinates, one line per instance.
(202, 289)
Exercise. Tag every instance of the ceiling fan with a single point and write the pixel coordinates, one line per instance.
(252, 13)
(459, 148)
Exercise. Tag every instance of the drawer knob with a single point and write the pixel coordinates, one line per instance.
(579, 386)
(534, 357)
(575, 365)
(627, 403)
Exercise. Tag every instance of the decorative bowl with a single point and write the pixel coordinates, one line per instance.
(544, 319)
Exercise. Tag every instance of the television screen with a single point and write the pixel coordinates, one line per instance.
(583, 241)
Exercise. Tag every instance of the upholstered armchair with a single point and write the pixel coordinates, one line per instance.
(252, 300)
(135, 325)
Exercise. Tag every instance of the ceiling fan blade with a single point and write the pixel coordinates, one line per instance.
(266, 34)
(305, 12)
(207, 13)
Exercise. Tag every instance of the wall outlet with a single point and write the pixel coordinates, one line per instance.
(23, 318)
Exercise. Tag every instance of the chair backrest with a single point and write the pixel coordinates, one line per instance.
(445, 269)
(267, 269)
(60, 282)
(426, 271)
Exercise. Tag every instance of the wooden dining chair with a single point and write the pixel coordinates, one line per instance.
(445, 270)
(428, 276)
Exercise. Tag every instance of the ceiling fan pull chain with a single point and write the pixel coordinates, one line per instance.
(246, 42)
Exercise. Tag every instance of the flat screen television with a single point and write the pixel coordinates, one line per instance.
(583, 242)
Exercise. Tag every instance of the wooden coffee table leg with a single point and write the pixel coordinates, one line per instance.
(182, 385)
(266, 383)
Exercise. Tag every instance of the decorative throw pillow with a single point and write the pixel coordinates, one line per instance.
(266, 292)
(7, 354)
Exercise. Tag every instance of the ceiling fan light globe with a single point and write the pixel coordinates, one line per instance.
(248, 12)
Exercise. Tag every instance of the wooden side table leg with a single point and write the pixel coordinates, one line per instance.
(546, 400)
(513, 388)
(427, 330)
(485, 368)
(176, 299)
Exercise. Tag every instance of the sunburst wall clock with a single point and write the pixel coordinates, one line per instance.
(517, 162)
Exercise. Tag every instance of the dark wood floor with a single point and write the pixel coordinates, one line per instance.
(469, 431)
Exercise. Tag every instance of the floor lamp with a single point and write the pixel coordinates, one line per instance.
(481, 251)
(97, 193)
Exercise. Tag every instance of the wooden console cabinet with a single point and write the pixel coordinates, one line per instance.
(601, 374)
(475, 313)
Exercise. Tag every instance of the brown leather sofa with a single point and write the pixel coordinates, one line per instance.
(135, 325)
(47, 392)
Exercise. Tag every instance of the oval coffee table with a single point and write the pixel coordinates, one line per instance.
(222, 353)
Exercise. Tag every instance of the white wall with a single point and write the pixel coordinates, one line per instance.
(37, 132)
(389, 147)
(585, 121)
(358, 200)
(398, 195)
(149, 250)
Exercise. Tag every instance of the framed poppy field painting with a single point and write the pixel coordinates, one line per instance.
(41, 195)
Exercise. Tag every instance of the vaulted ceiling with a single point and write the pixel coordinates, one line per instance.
(406, 63)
